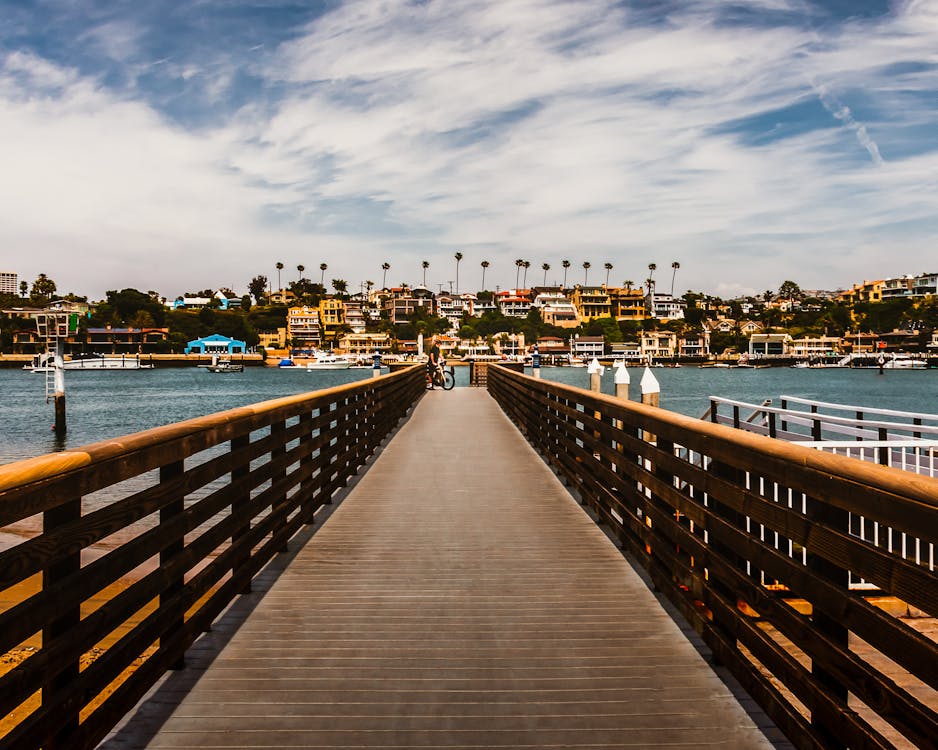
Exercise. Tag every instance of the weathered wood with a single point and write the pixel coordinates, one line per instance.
(698, 528)
(201, 523)
(457, 598)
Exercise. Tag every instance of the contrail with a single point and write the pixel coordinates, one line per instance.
(842, 112)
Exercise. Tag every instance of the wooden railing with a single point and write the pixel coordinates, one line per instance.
(144, 540)
(750, 538)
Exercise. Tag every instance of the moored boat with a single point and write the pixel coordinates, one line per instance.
(328, 361)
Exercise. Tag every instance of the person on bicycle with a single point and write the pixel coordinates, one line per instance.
(435, 360)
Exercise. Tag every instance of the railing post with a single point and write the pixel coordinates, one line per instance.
(62, 514)
(828, 625)
(306, 459)
(240, 471)
(278, 450)
(168, 512)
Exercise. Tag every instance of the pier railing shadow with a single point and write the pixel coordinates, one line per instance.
(182, 518)
(755, 540)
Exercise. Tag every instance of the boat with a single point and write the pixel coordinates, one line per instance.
(287, 363)
(328, 361)
(224, 365)
(46, 362)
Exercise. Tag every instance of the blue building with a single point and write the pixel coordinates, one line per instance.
(216, 344)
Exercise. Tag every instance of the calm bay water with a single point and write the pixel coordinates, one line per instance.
(103, 405)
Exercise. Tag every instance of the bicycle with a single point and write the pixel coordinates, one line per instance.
(442, 378)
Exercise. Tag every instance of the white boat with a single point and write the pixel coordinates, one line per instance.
(224, 365)
(328, 361)
(46, 363)
(900, 362)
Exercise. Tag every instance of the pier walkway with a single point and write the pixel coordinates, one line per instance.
(457, 597)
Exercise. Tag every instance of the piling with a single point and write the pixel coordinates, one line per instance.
(651, 396)
(60, 423)
(621, 379)
(595, 371)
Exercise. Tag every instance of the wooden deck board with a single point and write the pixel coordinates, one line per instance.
(458, 597)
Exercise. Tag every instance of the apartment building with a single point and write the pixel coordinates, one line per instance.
(627, 304)
(9, 283)
(303, 329)
(331, 318)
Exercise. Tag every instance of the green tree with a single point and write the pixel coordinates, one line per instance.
(43, 290)
(258, 288)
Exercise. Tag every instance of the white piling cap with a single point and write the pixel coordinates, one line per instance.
(649, 383)
(622, 374)
(594, 367)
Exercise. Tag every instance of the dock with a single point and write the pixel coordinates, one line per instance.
(457, 597)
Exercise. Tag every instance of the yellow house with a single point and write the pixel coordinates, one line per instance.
(591, 302)
(627, 303)
(365, 344)
(331, 317)
(868, 291)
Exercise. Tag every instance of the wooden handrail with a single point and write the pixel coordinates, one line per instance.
(198, 530)
(756, 541)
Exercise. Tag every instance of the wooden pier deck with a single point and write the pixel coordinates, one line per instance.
(458, 597)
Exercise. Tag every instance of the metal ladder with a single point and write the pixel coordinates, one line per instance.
(51, 327)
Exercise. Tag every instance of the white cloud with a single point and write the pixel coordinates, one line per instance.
(539, 129)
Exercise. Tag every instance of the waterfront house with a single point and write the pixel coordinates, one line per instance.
(694, 344)
(364, 344)
(587, 347)
(627, 350)
(509, 345)
(814, 346)
(303, 331)
(769, 344)
(215, 344)
(355, 316)
(658, 344)
(127, 340)
(857, 343)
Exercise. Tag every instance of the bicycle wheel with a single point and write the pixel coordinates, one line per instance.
(448, 380)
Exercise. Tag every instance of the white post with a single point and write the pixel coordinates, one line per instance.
(59, 381)
(622, 381)
(651, 396)
(595, 371)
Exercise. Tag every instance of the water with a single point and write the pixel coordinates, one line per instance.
(687, 389)
(104, 405)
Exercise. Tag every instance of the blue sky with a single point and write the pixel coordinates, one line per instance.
(182, 145)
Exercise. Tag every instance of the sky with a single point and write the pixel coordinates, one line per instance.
(178, 146)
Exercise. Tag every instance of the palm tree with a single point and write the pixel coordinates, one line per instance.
(484, 264)
(384, 278)
(546, 267)
(651, 270)
(301, 268)
(458, 258)
(24, 288)
(586, 271)
(426, 265)
(526, 265)
(674, 266)
(566, 265)
(518, 264)
(279, 269)
(322, 275)
(608, 267)
(340, 286)
(628, 284)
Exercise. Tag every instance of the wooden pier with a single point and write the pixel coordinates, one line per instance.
(458, 597)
